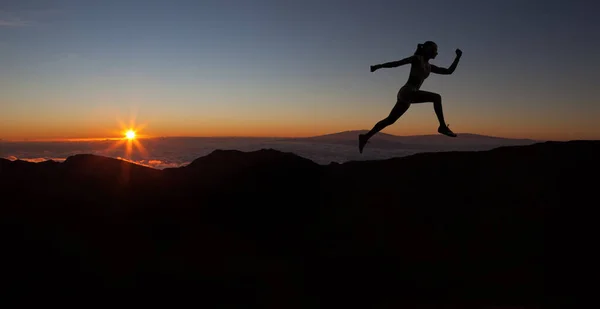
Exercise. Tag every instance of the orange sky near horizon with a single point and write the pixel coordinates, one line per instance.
(291, 112)
(419, 120)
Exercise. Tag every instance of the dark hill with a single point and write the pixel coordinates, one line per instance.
(271, 229)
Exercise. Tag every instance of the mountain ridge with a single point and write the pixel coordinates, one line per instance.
(267, 229)
(234, 153)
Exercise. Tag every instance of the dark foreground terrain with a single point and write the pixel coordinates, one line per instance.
(268, 229)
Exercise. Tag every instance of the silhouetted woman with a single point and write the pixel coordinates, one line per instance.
(410, 92)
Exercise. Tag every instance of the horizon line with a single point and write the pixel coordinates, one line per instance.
(146, 137)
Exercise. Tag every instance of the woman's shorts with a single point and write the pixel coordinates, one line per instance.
(405, 93)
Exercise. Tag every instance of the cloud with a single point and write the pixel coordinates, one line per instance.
(11, 20)
(13, 23)
(132, 161)
(30, 17)
(176, 152)
(38, 160)
(153, 163)
(35, 160)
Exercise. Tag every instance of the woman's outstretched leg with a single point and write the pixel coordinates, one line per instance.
(426, 96)
(399, 109)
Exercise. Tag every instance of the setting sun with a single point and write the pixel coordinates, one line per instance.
(130, 139)
(130, 134)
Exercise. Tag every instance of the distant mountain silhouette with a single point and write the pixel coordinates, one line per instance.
(438, 142)
(268, 229)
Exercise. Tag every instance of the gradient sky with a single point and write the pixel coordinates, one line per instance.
(294, 68)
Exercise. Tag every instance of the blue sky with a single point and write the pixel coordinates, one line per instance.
(72, 68)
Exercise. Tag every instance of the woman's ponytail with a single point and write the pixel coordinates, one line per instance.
(419, 50)
(421, 47)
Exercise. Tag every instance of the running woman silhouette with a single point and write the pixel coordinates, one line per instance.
(410, 92)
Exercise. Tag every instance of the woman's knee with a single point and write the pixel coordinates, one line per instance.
(390, 120)
(437, 98)
(385, 122)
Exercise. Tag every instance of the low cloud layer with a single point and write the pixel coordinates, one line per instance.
(176, 152)
(36, 160)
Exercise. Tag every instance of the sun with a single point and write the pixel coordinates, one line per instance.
(130, 139)
(130, 134)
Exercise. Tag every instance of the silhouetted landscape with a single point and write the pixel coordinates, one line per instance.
(340, 147)
(270, 229)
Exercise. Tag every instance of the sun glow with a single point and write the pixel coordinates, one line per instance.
(131, 140)
(130, 134)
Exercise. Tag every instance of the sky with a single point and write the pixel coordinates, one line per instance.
(88, 69)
